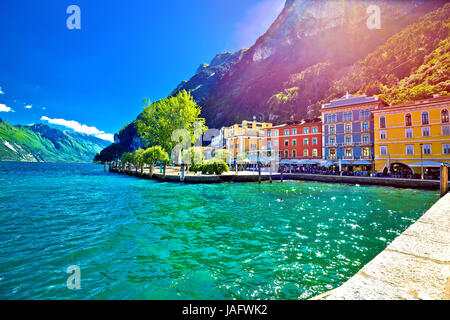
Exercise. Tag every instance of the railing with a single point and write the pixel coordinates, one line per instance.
(348, 144)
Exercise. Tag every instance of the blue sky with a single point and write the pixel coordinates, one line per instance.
(97, 77)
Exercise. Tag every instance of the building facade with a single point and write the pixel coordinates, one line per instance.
(410, 133)
(348, 128)
(296, 139)
(242, 139)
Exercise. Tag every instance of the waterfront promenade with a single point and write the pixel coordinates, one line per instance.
(173, 175)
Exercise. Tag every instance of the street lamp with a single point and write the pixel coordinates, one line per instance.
(421, 160)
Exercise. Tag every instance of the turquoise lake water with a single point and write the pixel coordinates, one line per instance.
(140, 239)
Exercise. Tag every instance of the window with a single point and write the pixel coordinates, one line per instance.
(294, 142)
(348, 139)
(365, 139)
(269, 145)
(382, 122)
(305, 130)
(275, 143)
(305, 141)
(294, 153)
(409, 132)
(383, 150)
(445, 148)
(294, 131)
(383, 134)
(348, 128)
(329, 118)
(362, 114)
(253, 146)
(275, 133)
(314, 141)
(425, 131)
(315, 154)
(332, 131)
(306, 153)
(286, 132)
(425, 118)
(237, 145)
(332, 141)
(426, 149)
(446, 130)
(332, 153)
(269, 134)
(367, 114)
(345, 117)
(366, 153)
(365, 126)
(409, 149)
(444, 116)
(408, 120)
(348, 153)
(286, 153)
(334, 118)
(286, 143)
(314, 130)
(350, 116)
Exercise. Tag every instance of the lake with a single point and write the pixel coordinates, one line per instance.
(141, 239)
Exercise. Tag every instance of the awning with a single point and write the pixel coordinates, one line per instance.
(363, 163)
(345, 162)
(329, 164)
(426, 164)
(310, 162)
(287, 162)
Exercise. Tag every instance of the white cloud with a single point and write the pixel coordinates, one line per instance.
(78, 127)
(1, 92)
(105, 136)
(44, 108)
(4, 108)
(28, 106)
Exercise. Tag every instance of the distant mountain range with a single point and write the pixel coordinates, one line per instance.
(41, 143)
(315, 51)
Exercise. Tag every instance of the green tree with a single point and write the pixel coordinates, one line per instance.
(160, 119)
(154, 154)
(126, 159)
(138, 159)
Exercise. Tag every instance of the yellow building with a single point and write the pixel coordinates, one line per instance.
(245, 137)
(412, 137)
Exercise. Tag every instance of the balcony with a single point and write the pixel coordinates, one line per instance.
(348, 144)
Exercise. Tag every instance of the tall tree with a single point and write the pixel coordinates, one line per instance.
(160, 119)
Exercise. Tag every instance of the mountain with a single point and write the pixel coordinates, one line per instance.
(40, 143)
(317, 50)
(310, 45)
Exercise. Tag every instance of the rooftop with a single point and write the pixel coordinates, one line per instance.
(420, 103)
(350, 100)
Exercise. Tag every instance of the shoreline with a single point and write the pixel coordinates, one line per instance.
(254, 177)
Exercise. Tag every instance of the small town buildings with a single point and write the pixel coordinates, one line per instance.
(348, 129)
(296, 139)
(409, 133)
(241, 139)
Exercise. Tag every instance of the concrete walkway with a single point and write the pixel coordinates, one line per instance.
(416, 265)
